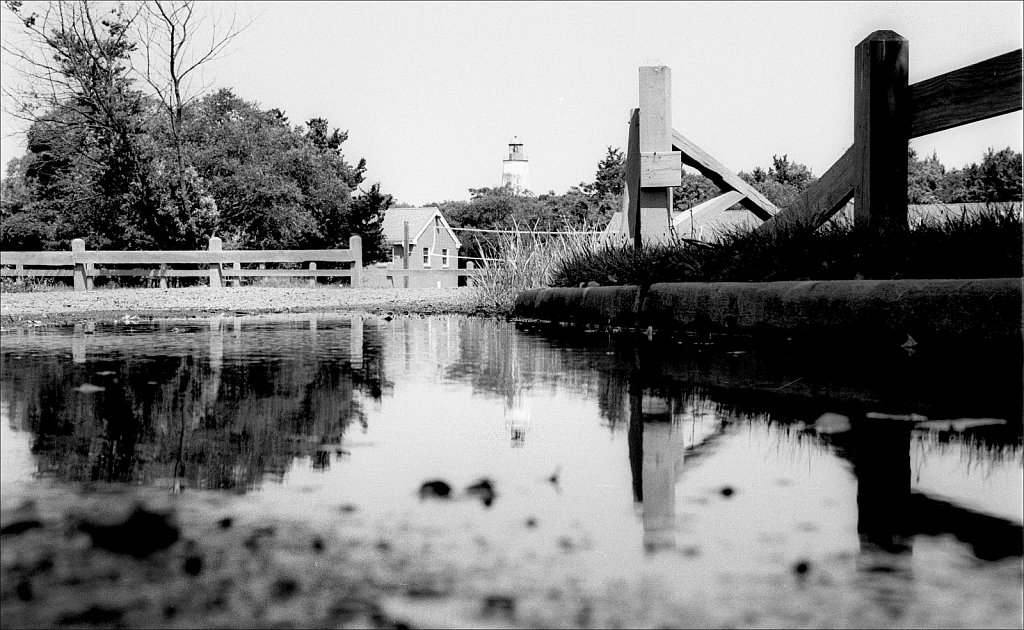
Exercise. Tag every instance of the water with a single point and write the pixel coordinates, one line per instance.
(632, 452)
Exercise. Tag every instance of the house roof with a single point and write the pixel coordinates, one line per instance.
(420, 219)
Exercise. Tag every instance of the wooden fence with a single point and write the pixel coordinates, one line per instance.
(888, 112)
(219, 266)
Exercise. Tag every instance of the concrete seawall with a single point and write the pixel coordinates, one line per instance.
(927, 310)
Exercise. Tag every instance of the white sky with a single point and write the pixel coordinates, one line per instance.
(432, 93)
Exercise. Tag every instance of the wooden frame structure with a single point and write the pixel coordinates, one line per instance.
(888, 112)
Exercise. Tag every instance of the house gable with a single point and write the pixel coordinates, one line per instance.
(420, 220)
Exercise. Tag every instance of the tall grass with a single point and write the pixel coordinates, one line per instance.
(30, 284)
(524, 260)
(986, 244)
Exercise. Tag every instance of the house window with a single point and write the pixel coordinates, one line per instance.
(426, 256)
(444, 258)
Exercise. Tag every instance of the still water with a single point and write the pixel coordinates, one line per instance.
(629, 449)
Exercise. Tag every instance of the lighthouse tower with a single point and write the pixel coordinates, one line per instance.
(515, 171)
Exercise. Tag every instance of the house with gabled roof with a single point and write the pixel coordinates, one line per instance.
(432, 243)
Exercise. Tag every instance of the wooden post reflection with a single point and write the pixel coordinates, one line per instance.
(355, 341)
(78, 342)
(656, 454)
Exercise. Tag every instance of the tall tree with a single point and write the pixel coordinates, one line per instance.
(172, 57)
(85, 141)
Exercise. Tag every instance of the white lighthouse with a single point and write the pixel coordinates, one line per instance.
(515, 171)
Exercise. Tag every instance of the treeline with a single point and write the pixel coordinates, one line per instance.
(589, 206)
(119, 159)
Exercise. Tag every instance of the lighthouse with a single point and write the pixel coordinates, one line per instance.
(515, 171)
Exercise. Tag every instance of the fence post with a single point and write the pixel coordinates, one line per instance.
(470, 266)
(405, 253)
(163, 276)
(355, 243)
(236, 280)
(78, 246)
(881, 130)
(655, 202)
(312, 279)
(216, 277)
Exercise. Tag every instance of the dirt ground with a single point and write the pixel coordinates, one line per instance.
(103, 556)
(69, 307)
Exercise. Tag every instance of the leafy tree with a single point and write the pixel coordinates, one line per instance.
(275, 186)
(694, 189)
(782, 182)
(168, 31)
(87, 155)
(998, 177)
(925, 178)
(365, 218)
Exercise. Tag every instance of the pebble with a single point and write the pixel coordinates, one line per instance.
(435, 489)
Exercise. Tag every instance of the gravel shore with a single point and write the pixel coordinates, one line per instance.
(68, 307)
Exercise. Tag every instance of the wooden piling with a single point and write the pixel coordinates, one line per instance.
(656, 181)
(881, 130)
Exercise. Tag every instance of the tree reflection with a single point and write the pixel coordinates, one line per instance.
(199, 407)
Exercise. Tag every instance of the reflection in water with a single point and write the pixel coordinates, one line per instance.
(190, 405)
(665, 448)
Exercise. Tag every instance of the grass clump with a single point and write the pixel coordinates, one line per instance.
(985, 244)
(31, 284)
(524, 260)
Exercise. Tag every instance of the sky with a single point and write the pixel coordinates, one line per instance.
(431, 93)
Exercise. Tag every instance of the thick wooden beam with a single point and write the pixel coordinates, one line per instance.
(709, 208)
(881, 130)
(972, 93)
(661, 169)
(709, 167)
(655, 136)
(826, 196)
(631, 198)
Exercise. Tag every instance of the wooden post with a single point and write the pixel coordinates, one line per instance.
(312, 279)
(881, 131)
(236, 280)
(405, 253)
(163, 277)
(19, 270)
(631, 191)
(655, 201)
(78, 246)
(470, 266)
(216, 277)
(355, 243)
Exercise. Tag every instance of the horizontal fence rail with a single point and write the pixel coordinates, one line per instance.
(81, 264)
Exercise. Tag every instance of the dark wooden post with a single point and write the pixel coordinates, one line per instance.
(881, 131)
(631, 191)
